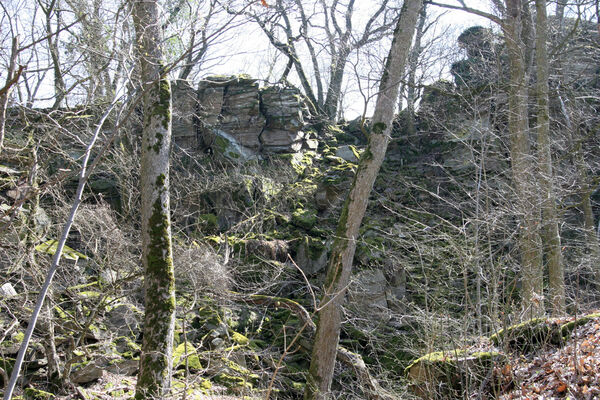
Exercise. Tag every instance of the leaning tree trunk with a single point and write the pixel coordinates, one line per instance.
(550, 232)
(340, 262)
(159, 283)
(526, 198)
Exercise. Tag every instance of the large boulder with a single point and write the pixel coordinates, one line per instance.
(369, 290)
(233, 116)
(232, 105)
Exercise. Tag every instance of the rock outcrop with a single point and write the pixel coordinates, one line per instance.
(237, 118)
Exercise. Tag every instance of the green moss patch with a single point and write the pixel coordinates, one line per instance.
(304, 218)
(36, 394)
(529, 335)
(447, 374)
(566, 329)
(185, 355)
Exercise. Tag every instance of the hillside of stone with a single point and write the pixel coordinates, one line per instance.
(257, 185)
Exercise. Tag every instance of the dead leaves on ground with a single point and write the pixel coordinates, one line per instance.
(569, 372)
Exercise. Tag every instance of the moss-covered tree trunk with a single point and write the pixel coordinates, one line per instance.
(318, 383)
(550, 232)
(159, 283)
(522, 164)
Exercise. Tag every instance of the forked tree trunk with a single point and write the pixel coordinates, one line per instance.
(526, 199)
(324, 351)
(159, 283)
(550, 232)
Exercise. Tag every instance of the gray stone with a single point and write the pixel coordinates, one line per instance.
(124, 320)
(229, 146)
(311, 144)
(368, 290)
(185, 105)
(347, 153)
(268, 120)
(310, 258)
(123, 367)
(7, 290)
(87, 373)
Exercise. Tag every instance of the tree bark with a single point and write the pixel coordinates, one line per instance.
(12, 77)
(526, 198)
(550, 232)
(320, 375)
(336, 78)
(413, 62)
(159, 283)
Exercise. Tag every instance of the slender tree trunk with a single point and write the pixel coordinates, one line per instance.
(159, 283)
(324, 352)
(12, 77)
(413, 62)
(336, 78)
(589, 225)
(60, 89)
(550, 232)
(526, 198)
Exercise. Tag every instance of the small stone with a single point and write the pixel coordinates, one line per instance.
(7, 290)
(88, 373)
(217, 343)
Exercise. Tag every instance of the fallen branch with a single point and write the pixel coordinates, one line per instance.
(280, 302)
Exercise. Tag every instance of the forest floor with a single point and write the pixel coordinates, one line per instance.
(568, 372)
(571, 371)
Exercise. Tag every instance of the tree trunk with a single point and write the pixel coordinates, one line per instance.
(12, 76)
(550, 232)
(589, 226)
(159, 283)
(340, 263)
(413, 62)
(336, 78)
(523, 178)
(60, 89)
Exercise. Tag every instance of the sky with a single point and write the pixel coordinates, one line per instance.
(252, 54)
(248, 51)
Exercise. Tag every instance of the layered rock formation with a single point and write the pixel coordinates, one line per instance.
(236, 117)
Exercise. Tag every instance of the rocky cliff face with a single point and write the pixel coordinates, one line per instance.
(236, 117)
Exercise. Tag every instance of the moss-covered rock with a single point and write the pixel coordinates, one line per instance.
(235, 377)
(208, 223)
(36, 394)
(11, 345)
(186, 356)
(529, 335)
(566, 329)
(304, 218)
(448, 374)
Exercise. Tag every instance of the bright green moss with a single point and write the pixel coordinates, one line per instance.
(163, 107)
(379, 128)
(239, 338)
(185, 355)
(36, 394)
(528, 335)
